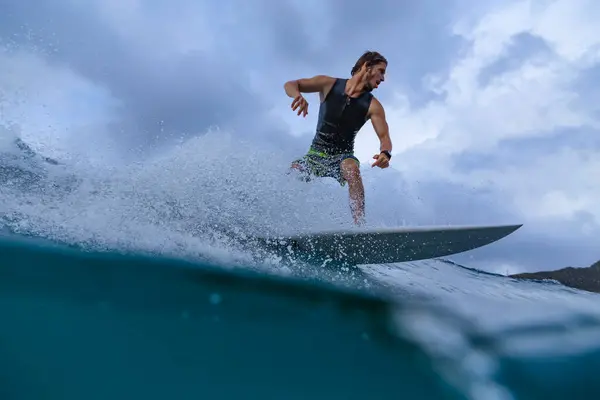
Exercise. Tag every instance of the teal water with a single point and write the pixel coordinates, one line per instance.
(121, 285)
(83, 325)
(105, 326)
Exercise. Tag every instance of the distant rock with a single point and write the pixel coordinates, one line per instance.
(587, 278)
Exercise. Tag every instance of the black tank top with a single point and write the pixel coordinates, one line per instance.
(340, 119)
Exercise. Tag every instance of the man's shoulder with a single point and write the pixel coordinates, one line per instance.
(375, 107)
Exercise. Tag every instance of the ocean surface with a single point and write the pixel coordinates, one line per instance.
(133, 282)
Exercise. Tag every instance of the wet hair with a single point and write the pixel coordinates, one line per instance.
(370, 58)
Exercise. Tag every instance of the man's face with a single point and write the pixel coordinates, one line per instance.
(376, 75)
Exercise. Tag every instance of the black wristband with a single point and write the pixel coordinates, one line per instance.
(387, 154)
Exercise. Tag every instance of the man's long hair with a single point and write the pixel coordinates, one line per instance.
(370, 58)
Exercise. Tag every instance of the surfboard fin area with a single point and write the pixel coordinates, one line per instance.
(389, 245)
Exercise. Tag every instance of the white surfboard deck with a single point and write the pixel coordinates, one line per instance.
(389, 245)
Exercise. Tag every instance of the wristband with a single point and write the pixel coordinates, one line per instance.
(387, 154)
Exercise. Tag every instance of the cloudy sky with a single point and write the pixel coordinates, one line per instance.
(492, 105)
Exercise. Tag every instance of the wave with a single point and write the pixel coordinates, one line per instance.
(192, 201)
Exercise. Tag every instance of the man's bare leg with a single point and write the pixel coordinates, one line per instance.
(351, 173)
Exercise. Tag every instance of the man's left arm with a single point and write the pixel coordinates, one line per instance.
(380, 125)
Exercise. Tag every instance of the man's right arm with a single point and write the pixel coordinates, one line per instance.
(319, 83)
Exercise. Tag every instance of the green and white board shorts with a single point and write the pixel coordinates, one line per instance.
(319, 164)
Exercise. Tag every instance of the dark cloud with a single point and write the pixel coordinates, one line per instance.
(508, 152)
(182, 96)
(522, 48)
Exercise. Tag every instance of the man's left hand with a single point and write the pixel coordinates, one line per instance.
(381, 161)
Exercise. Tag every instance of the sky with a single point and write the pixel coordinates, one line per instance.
(492, 106)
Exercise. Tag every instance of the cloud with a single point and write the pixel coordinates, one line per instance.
(493, 106)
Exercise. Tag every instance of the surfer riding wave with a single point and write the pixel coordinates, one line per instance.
(345, 106)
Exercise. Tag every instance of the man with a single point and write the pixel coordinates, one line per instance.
(346, 105)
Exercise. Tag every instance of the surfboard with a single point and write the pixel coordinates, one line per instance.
(389, 245)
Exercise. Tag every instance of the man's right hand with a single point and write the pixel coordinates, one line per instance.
(300, 104)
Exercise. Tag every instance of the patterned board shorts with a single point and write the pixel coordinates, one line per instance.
(319, 164)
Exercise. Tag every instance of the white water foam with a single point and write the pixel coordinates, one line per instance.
(179, 202)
